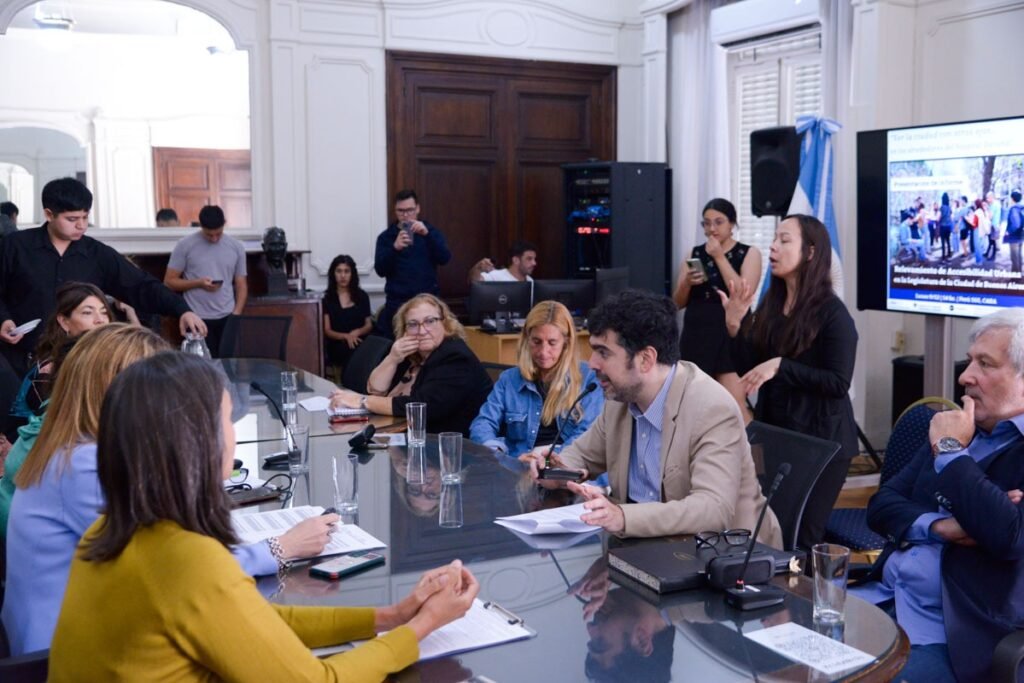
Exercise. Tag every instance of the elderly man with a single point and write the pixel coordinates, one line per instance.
(669, 436)
(952, 569)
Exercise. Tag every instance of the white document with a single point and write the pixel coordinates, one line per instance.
(485, 624)
(555, 541)
(563, 520)
(258, 526)
(25, 328)
(811, 648)
(315, 404)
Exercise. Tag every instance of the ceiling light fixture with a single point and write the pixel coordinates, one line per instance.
(53, 16)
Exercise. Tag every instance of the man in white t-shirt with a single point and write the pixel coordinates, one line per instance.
(522, 260)
(208, 268)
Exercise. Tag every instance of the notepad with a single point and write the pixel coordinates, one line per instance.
(561, 520)
(484, 625)
(811, 648)
(259, 526)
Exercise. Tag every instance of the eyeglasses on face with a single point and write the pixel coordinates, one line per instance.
(406, 212)
(733, 537)
(707, 225)
(415, 325)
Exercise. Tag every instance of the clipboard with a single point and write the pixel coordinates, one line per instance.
(485, 624)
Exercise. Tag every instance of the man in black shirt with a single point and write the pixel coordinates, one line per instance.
(34, 262)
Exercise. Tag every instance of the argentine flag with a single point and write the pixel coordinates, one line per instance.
(813, 194)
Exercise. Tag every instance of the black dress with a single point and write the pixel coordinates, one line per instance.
(343, 320)
(810, 395)
(452, 383)
(705, 341)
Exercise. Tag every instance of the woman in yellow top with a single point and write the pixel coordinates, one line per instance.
(185, 610)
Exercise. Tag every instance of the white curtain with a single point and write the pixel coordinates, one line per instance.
(698, 122)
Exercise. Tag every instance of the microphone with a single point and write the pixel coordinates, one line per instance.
(280, 415)
(745, 597)
(556, 472)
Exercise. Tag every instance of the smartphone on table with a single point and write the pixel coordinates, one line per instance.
(343, 565)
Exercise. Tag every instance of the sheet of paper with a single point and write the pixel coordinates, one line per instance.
(480, 627)
(555, 541)
(255, 527)
(315, 404)
(813, 649)
(554, 521)
(393, 439)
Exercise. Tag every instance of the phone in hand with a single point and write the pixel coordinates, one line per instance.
(344, 565)
(560, 474)
(217, 282)
(695, 264)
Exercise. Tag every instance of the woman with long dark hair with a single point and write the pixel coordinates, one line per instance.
(797, 351)
(185, 609)
(722, 260)
(346, 311)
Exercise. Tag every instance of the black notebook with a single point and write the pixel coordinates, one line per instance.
(679, 565)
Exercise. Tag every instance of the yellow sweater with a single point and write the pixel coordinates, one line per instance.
(176, 606)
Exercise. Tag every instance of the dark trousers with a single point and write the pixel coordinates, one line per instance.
(383, 327)
(214, 334)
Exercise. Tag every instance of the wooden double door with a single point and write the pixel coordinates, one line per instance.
(189, 179)
(482, 141)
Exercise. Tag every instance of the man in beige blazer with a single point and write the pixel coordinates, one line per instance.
(670, 437)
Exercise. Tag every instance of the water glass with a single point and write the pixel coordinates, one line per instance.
(416, 420)
(450, 514)
(196, 345)
(289, 390)
(450, 445)
(346, 484)
(297, 442)
(831, 566)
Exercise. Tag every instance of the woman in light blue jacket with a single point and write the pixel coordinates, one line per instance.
(531, 402)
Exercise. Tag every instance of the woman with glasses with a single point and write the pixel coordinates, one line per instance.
(721, 260)
(184, 609)
(428, 363)
(57, 494)
(531, 402)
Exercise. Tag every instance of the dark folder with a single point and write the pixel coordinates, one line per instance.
(679, 565)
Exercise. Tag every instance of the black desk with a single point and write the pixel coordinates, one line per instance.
(698, 628)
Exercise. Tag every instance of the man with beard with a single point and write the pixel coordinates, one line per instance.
(670, 437)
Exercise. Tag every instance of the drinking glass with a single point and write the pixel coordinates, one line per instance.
(416, 467)
(346, 484)
(297, 441)
(416, 419)
(831, 566)
(289, 390)
(450, 445)
(450, 514)
(196, 345)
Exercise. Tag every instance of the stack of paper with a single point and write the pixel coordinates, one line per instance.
(561, 520)
(259, 526)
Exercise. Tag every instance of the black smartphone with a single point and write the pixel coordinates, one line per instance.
(560, 474)
(217, 282)
(344, 565)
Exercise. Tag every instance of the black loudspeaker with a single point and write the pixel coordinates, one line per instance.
(774, 169)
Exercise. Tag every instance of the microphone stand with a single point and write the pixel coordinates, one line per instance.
(742, 596)
(555, 472)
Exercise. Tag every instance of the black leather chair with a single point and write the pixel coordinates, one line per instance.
(494, 370)
(807, 455)
(30, 668)
(364, 359)
(255, 336)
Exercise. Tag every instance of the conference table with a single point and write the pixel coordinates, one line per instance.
(633, 633)
(257, 418)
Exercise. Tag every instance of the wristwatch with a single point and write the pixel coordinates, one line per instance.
(362, 402)
(947, 444)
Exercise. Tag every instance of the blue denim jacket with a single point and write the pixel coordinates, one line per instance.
(516, 404)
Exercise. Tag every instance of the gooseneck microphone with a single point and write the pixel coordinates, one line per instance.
(745, 597)
(280, 415)
(557, 472)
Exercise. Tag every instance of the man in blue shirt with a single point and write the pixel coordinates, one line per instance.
(953, 567)
(407, 256)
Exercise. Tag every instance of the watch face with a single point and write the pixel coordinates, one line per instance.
(948, 444)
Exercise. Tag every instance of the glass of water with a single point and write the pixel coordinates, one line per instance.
(831, 566)
(416, 421)
(289, 390)
(450, 445)
(297, 442)
(346, 484)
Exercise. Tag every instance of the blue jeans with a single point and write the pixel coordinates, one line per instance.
(928, 664)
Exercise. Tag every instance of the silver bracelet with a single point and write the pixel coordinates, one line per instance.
(283, 563)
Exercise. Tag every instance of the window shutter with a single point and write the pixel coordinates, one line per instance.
(756, 106)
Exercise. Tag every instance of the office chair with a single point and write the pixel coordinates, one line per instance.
(30, 668)
(255, 336)
(368, 355)
(494, 370)
(849, 526)
(808, 455)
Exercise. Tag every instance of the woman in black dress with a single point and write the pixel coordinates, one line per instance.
(723, 259)
(346, 311)
(797, 351)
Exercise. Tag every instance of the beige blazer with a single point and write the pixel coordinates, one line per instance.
(708, 481)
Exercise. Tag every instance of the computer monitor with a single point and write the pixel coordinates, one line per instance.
(498, 300)
(577, 295)
(609, 281)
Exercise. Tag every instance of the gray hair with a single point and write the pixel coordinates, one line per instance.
(1004, 319)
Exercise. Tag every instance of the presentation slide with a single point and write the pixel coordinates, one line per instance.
(948, 199)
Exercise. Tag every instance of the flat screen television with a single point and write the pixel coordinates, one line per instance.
(576, 295)
(904, 262)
